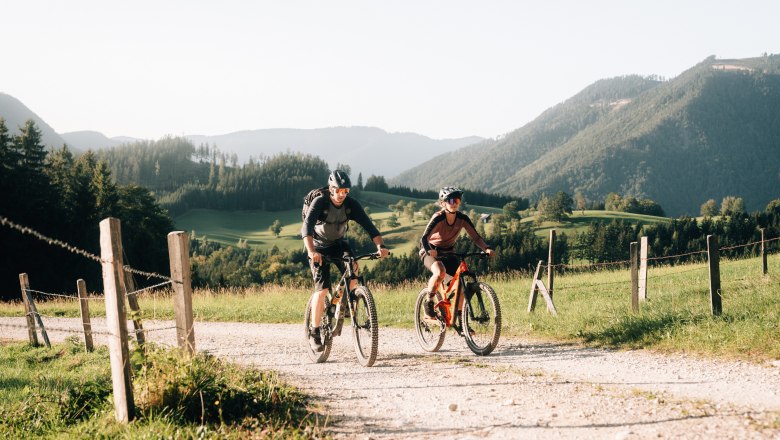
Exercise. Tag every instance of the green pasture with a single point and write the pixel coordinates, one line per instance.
(227, 227)
(578, 221)
(594, 308)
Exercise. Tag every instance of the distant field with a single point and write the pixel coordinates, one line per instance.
(228, 227)
(579, 221)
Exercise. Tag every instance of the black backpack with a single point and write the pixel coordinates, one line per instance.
(313, 194)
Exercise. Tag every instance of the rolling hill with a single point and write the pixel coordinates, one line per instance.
(369, 150)
(708, 133)
(228, 227)
(16, 114)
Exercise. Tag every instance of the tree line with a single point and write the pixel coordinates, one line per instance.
(65, 197)
(185, 177)
(472, 196)
(516, 245)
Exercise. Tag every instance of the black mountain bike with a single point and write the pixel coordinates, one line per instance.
(479, 321)
(358, 305)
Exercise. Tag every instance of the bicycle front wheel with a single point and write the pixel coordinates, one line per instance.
(481, 318)
(325, 333)
(365, 328)
(430, 334)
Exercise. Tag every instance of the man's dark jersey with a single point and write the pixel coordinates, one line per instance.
(326, 223)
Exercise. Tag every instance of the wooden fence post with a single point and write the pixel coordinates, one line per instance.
(713, 260)
(36, 316)
(643, 269)
(81, 287)
(179, 255)
(24, 283)
(116, 319)
(551, 264)
(135, 309)
(634, 251)
(537, 286)
(534, 288)
(764, 267)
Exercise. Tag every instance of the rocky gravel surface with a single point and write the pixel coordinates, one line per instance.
(525, 389)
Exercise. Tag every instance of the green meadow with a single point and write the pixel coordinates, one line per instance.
(594, 308)
(227, 227)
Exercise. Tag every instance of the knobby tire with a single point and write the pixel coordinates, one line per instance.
(482, 315)
(430, 336)
(365, 328)
(315, 356)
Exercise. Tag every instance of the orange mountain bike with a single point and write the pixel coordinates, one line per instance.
(479, 321)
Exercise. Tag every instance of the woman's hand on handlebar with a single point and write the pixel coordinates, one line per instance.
(383, 252)
(490, 252)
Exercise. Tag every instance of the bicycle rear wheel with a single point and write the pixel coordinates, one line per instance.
(365, 328)
(481, 318)
(429, 334)
(325, 333)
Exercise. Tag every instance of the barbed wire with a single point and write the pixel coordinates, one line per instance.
(150, 287)
(51, 294)
(673, 256)
(57, 329)
(579, 286)
(651, 277)
(584, 266)
(55, 242)
(149, 274)
(51, 241)
(149, 330)
(91, 298)
(728, 248)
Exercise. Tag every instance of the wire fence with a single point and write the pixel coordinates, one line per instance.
(4, 221)
(73, 249)
(688, 262)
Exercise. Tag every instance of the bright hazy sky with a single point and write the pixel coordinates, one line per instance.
(443, 69)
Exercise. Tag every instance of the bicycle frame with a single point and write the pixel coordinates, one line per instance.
(455, 288)
(343, 286)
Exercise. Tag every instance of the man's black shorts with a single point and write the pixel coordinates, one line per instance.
(321, 273)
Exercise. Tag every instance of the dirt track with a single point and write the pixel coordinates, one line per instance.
(524, 390)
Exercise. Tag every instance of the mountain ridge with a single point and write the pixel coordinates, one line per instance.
(16, 115)
(678, 142)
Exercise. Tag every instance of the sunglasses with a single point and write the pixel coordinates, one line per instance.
(342, 191)
(453, 201)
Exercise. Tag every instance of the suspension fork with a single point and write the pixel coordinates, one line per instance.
(470, 289)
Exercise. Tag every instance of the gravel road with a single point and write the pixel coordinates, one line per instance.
(525, 389)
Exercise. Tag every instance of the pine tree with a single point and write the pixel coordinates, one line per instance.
(106, 194)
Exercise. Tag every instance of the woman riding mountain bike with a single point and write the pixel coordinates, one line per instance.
(438, 242)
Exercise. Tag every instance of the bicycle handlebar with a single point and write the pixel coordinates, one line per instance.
(461, 255)
(371, 256)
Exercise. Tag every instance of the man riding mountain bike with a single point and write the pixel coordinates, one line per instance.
(323, 230)
(439, 239)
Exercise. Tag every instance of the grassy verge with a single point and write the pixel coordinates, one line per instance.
(593, 308)
(63, 392)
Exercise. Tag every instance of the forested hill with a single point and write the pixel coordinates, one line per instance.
(17, 114)
(708, 133)
(184, 176)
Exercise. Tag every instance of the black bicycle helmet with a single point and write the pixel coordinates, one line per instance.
(450, 192)
(339, 179)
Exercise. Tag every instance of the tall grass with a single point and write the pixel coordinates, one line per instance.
(593, 308)
(65, 393)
